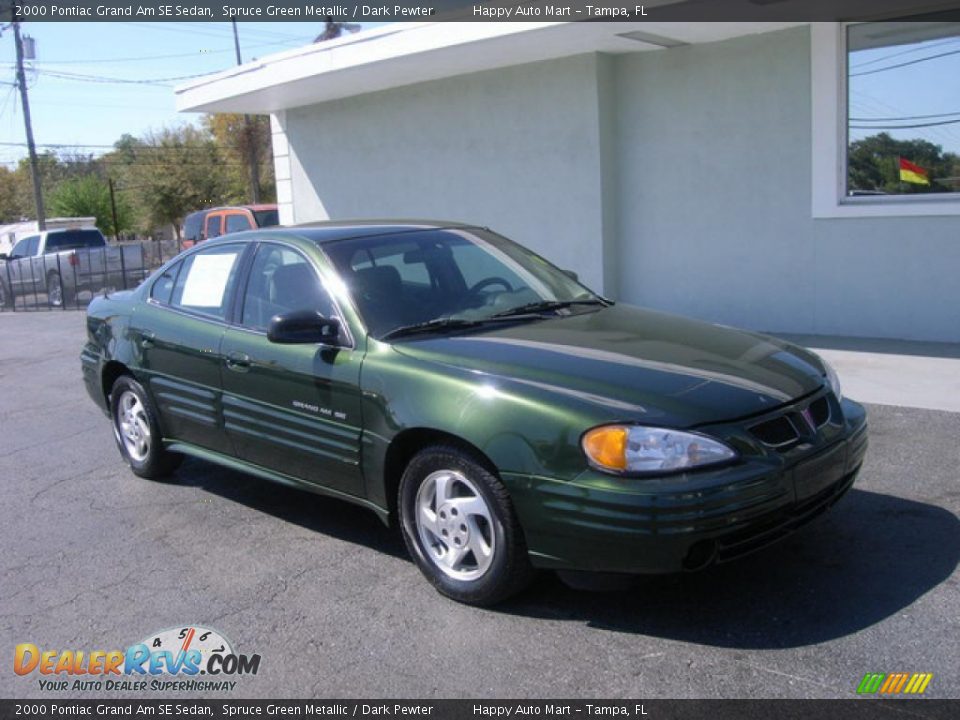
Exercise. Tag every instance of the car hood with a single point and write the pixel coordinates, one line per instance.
(636, 364)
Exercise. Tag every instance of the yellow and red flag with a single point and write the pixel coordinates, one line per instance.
(912, 173)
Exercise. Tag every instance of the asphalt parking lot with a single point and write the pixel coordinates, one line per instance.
(95, 558)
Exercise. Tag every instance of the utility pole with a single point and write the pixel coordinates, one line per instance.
(248, 130)
(113, 208)
(31, 148)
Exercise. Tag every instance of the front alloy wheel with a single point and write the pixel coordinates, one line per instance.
(459, 526)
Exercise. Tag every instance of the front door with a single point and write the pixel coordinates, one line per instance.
(294, 409)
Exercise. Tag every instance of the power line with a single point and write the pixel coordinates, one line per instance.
(905, 64)
(919, 48)
(905, 127)
(905, 117)
(144, 58)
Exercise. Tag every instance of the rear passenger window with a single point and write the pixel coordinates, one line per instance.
(205, 280)
(237, 222)
(162, 289)
(282, 280)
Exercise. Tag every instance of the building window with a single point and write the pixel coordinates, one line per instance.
(903, 108)
(860, 107)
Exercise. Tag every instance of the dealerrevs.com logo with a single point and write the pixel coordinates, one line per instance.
(190, 658)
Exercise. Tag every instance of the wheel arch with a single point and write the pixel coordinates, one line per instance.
(108, 376)
(408, 443)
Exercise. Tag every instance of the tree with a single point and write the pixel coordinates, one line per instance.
(236, 140)
(88, 196)
(874, 164)
(11, 209)
(170, 173)
(333, 29)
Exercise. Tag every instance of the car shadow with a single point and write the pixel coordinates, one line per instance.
(869, 558)
(320, 513)
(872, 556)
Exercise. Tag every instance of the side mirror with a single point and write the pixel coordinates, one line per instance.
(301, 327)
(571, 274)
(4, 256)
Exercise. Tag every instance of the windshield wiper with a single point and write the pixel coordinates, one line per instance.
(440, 323)
(545, 306)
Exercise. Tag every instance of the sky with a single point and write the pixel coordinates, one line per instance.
(81, 112)
(908, 85)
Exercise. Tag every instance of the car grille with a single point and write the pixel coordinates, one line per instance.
(785, 430)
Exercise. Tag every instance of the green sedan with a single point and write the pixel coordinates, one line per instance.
(506, 417)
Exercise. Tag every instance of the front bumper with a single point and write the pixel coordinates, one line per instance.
(603, 523)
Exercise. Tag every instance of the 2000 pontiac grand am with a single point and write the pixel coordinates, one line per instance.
(507, 416)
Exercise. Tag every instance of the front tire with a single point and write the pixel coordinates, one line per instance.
(460, 528)
(137, 431)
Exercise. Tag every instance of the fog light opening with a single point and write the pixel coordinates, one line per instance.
(700, 555)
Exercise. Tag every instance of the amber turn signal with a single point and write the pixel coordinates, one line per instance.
(607, 447)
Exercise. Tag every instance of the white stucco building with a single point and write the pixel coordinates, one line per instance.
(698, 168)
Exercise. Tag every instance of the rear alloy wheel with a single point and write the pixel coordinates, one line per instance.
(137, 431)
(460, 528)
(54, 290)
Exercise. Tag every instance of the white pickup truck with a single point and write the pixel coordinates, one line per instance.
(64, 262)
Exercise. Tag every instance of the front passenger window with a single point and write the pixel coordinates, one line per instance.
(281, 280)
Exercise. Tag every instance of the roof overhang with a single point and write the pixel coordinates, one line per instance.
(406, 53)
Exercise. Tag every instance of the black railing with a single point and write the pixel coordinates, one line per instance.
(70, 279)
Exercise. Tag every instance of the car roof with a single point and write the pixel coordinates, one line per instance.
(332, 230)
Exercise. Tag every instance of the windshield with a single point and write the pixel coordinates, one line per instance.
(470, 274)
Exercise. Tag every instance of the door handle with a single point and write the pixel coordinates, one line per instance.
(238, 362)
(147, 339)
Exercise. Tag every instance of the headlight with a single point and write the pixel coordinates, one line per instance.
(634, 448)
(832, 379)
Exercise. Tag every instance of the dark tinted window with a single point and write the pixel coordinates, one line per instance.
(213, 227)
(266, 218)
(468, 274)
(192, 225)
(163, 286)
(206, 279)
(237, 222)
(282, 280)
(73, 239)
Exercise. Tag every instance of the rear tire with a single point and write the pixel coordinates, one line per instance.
(460, 527)
(137, 431)
(57, 295)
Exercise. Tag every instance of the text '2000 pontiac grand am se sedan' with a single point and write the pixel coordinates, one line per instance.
(450, 380)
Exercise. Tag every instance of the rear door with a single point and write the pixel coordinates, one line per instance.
(291, 408)
(178, 334)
